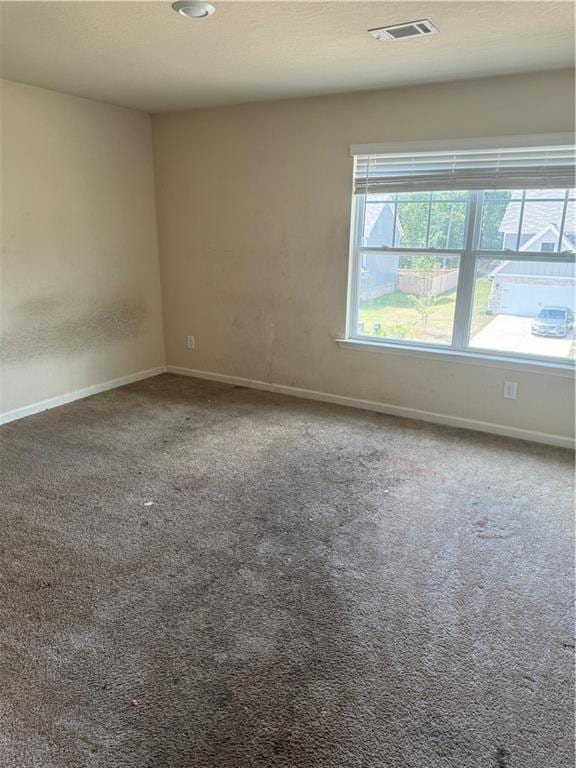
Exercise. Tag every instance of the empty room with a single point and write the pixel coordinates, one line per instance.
(287, 384)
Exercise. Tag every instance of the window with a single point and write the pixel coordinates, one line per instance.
(470, 250)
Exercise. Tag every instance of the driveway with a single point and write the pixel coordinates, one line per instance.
(509, 333)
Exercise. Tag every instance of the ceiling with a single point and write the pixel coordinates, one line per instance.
(143, 55)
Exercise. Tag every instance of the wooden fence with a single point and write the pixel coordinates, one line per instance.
(426, 282)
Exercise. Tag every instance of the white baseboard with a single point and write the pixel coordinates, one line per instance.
(309, 394)
(391, 410)
(54, 402)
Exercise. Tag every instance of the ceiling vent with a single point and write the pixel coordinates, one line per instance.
(404, 31)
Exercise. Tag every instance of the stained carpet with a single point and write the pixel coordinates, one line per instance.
(194, 575)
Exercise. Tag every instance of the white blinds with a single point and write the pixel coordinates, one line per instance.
(518, 168)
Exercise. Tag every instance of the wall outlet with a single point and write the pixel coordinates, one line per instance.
(510, 390)
(190, 342)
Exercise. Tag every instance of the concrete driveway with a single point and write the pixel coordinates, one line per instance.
(508, 333)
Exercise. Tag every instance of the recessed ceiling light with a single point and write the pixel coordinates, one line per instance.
(192, 9)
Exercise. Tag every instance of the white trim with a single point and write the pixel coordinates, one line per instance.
(79, 394)
(371, 405)
(486, 142)
(309, 394)
(550, 227)
(450, 355)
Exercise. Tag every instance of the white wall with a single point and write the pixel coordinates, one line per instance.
(79, 272)
(254, 209)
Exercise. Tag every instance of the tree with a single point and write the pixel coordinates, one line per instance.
(425, 261)
(493, 210)
(441, 217)
(424, 305)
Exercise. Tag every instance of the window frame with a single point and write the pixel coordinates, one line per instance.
(468, 258)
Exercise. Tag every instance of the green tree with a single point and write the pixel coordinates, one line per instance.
(438, 220)
(493, 210)
(424, 305)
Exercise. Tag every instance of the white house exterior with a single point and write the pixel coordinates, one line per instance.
(524, 287)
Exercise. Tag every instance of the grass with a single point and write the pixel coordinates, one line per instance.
(398, 315)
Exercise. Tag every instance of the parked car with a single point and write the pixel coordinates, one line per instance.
(553, 321)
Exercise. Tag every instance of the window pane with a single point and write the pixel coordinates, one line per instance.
(500, 221)
(569, 238)
(447, 222)
(431, 220)
(548, 194)
(415, 220)
(413, 224)
(541, 222)
(379, 221)
(409, 297)
(526, 220)
(525, 307)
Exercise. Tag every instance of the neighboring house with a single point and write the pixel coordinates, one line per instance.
(524, 287)
(378, 275)
(541, 223)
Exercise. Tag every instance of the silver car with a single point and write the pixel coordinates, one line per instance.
(553, 321)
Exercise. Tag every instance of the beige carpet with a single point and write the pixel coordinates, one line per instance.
(201, 576)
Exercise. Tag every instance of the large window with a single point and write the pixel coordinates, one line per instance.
(472, 251)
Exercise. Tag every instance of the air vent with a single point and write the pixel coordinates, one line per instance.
(404, 31)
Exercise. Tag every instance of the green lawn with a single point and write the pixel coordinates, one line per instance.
(398, 315)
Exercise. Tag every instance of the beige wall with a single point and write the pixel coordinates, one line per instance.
(254, 210)
(79, 269)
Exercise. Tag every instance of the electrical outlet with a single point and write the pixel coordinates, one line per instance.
(190, 342)
(510, 390)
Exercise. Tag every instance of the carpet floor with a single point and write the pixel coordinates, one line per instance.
(194, 575)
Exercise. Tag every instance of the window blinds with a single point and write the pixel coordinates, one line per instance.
(518, 168)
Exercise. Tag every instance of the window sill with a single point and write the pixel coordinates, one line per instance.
(484, 359)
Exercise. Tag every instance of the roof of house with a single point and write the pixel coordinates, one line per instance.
(537, 213)
(536, 269)
(373, 211)
(552, 231)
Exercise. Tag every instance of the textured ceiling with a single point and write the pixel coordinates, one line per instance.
(141, 54)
